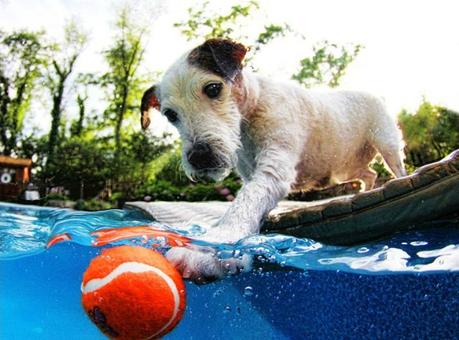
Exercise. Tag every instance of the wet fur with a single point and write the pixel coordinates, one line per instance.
(277, 135)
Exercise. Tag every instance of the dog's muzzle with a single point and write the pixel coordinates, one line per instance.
(201, 157)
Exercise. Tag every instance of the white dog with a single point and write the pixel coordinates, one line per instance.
(277, 135)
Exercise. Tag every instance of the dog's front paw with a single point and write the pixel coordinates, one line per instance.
(204, 267)
(200, 267)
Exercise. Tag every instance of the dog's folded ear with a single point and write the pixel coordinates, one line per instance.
(149, 100)
(220, 56)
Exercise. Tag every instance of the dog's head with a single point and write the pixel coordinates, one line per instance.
(196, 95)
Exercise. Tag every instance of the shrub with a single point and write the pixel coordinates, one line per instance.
(431, 133)
(93, 204)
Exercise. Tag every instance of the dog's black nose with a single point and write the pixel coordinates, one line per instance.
(201, 156)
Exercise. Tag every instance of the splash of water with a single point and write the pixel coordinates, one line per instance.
(26, 230)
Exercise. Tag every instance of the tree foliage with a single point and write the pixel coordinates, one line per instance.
(81, 159)
(203, 24)
(84, 83)
(431, 133)
(62, 65)
(22, 62)
(82, 166)
(122, 81)
(327, 65)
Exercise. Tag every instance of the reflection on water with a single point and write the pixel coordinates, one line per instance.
(26, 230)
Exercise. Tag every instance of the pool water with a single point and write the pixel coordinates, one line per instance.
(406, 286)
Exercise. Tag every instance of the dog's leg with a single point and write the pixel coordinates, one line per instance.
(368, 177)
(269, 183)
(388, 140)
(393, 155)
(202, 266)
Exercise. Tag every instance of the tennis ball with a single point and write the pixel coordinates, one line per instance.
(133, 293)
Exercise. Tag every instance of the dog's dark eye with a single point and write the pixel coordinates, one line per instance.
(171, 115)
(213, 90)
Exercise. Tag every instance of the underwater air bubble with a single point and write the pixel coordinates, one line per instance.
(418, 243)
(248, 291)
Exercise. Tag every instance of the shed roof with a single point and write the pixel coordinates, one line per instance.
(15, 162)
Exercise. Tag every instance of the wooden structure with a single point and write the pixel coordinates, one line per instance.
(14, 176)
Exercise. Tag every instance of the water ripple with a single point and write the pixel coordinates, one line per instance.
(25, 231)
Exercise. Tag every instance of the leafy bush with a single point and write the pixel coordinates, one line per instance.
(380, 168)
(93, 204)
(172, 170)
(431, 133)
(162, 190)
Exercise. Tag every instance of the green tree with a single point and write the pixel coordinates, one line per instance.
(171, 170)
(203, 23)
(122, 80)
(22, 61)
(431, 133)
(82, 166)
(140, 149)
(83, 83)
(77, 126)
(327, 65)
(62, 65)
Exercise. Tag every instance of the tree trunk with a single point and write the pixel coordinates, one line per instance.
(119, 120)
(4, 101)
(56, 114)
(56, 111)
(81, 101)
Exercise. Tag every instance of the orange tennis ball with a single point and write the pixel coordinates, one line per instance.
(133, 293)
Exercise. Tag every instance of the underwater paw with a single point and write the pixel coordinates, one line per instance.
(237, 265)
(200, 267)
(204, 267)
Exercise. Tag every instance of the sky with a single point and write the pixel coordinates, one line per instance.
(411, 48)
